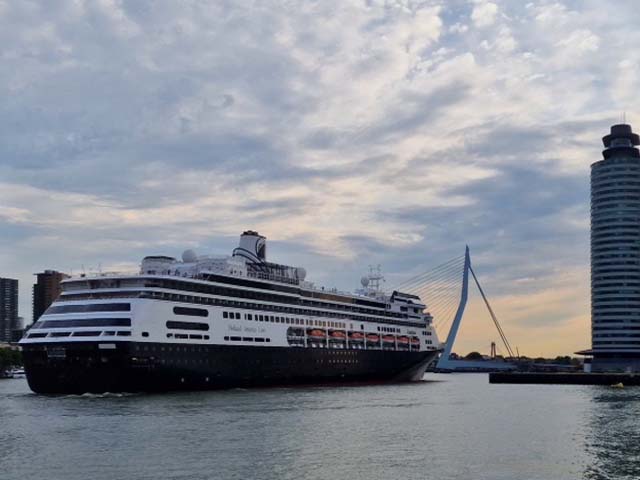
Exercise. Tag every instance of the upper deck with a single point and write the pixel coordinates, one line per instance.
(247, 278)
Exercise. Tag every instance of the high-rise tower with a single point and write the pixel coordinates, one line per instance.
(45, 291)
(615, 253)
(8, 307)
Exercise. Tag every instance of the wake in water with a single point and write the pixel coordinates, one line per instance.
(100, 395)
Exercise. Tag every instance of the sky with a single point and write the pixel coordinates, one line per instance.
(349, 133)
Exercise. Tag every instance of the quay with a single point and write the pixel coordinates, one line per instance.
(565, 378)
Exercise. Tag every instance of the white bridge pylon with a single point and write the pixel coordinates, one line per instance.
(464, 294)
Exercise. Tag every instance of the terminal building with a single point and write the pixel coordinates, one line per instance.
(615, 254)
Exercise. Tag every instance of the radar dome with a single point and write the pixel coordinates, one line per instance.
(301, 273)
(364, 281)
(189, 256)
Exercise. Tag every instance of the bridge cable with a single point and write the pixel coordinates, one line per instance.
(493, 315)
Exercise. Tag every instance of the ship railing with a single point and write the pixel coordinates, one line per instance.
(90, 275)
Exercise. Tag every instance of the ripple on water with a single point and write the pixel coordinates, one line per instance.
(458, 427)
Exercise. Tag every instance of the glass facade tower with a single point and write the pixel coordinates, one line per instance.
(615, 253)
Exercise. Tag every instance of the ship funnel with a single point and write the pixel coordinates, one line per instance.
(253, 247)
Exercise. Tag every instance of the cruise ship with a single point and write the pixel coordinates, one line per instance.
(207, 322)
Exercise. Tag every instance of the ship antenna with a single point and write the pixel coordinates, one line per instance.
(375, 275)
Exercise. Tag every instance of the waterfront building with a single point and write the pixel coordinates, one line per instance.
(18, 330)
(615, 253)
(46, 289)
(8, 308)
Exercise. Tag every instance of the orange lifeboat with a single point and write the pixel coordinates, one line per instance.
(372, 337)
(337, 334)
(317, 333)
(403, 340)
(415, 341)
(358, 336)
(389, 339)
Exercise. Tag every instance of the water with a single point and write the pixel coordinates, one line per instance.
(450, 427)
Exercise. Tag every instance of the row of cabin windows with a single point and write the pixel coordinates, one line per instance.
(278, 308)
(388, 329)
(268, 296)
(270, 287)
(191, 336)
(98, 333)
(83, 322)
(413, 309)
(247, 339)
(223, 302)
(91, 307)
(170, 348)
(285, 320)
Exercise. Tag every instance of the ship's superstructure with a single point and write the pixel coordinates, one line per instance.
(214, 322)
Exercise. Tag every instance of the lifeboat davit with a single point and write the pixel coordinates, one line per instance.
(338, 334)
(388, 339)
(372, 337)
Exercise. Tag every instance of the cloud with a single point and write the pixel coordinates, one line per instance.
(484, 14)
(581, 42)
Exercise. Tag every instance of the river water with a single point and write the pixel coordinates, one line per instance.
(448, 427)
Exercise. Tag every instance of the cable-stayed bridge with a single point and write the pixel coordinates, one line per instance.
(445, 290)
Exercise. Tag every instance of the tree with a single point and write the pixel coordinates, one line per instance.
(474, 356)
(9, 358)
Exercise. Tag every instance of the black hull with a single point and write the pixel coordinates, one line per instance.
(75, 368)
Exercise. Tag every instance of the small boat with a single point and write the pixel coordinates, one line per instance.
(388, 339)
(337, 334)
(617, 385)
(356, 336)
(372, 337)
(403, 340)
(415, 341)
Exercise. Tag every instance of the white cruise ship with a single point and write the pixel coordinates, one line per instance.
(218, 322)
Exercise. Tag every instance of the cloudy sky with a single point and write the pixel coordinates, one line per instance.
(349, 133)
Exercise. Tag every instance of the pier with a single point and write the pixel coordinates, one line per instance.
(608, 379)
